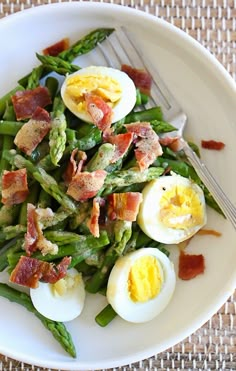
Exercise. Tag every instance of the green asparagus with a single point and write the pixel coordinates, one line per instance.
(128, 177)
(86, 44)
(57, 329)
(12, 231)
(57, 64)
(10, 127)
(47, 182)
(104, 317)
(122, 233)
(57, 136)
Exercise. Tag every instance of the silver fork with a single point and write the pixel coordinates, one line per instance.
(121, 47)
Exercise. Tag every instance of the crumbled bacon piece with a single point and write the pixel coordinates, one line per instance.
(208, 232)
(57, 48)
(34, 238)
(33, 131)
(100, 112)
(124, 206)
(75, 165)
(85, 185)
(93, 222)
(25, 102)
(190, 266)
(29, 271)
(148, 147)
(14, 187)
(173, 143)
(122, 143)
(212, 144)
(141, 78)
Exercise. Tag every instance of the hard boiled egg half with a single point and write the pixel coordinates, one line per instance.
(141, 284)
(62, 301)
(173, 209)
(113, 86)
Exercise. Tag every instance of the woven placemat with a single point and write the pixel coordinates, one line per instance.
(213, 24)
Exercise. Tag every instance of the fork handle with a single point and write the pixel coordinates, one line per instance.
(210, 182)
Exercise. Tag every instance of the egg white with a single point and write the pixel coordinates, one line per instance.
(61, 308)
(121, 108)
(149, 214)
(117, 289)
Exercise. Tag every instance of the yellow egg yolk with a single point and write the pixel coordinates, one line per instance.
(181, 208)
(145, 279)
(65, 284)
(106, 87)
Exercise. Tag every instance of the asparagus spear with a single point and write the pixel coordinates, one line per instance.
(89, 141)
(83, 46)
(78, 248)
(7, 98)
(58, 217)
(12, 231)
(12, 246)
(8, 214)
(10, 127)
(52, 84)
(57, 64)
(7, 145)
(82, 215)
(57, 136)
(47, 182)
(32, 198)
(150, 114)
(106, 315)
(44, 199)
(86, 44)
(34, 78)
(57, 329)
(128, 177)
(102, 157)
(122, 233)
(162, 127)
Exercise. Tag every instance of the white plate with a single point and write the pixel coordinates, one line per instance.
(207, 94)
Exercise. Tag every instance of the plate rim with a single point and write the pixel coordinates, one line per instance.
(231, 84)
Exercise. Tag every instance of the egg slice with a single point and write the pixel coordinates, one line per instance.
(113, 86)
(173, 209)
(141, 284)
(62, 301)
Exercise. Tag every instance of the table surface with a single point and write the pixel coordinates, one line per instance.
(213, 24)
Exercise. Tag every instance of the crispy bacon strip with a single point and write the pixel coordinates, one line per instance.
(33, 132)
(85, 185)
(25, 102)
(93, 222)
(100, 112)
(57, 48)
(190, 266)
(122, 143)
(208, 232)
(141, 78)
(124, 206)
(148, 147)
(29, 271)
(212, 144)
(34, 238)
(75, 165)
(14, 187)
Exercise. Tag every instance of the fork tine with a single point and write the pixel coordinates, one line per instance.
(119, 48)
(138, 61)
(106, 55)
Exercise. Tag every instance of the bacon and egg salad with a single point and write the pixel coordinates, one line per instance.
(92, 194)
